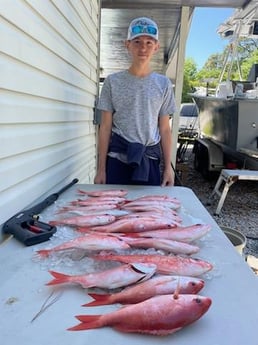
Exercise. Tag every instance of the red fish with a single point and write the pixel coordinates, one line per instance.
(157, 198)
(175, 265)
(179, 233)
(91, 208)
(159, 315)
(100, 193)
(86, 221)
(109, 279)
(88, 242)
(154, 203)
(152, 214)
(136, 224)
(97, 201)
(171, 246)
(159, 285)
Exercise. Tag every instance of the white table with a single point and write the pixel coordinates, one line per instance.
(231, 320)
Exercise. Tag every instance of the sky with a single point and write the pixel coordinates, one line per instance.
(202, 39)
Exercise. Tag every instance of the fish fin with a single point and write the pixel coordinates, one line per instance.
(177, 290)
(87, 322)
(60, 278)
(99, 300)
(164, 332)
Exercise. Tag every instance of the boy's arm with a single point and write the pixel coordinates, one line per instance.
(103, 142)
(166, 146)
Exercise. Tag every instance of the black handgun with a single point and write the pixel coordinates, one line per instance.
(26, 227)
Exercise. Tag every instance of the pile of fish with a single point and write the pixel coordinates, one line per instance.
(160, 289)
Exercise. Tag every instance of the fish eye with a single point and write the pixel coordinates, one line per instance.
(193, 283)
(198, 300)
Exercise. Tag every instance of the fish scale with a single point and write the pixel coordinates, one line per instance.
(165, 264)
(159, 315)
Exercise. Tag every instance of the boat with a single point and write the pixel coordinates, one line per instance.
(228, 120)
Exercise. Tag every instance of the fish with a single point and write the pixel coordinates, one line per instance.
(174, 265)
(179, 233)
(142, 203)
(97, 201)
(84, 211)
(158, 315)
(116, 199)
(154, 203)
(88, 208)
(135, 224)
(152, 214)
(90, 242)
(171, 246)
(150, 208)
(157, 285)
(158, 198)
(101, 193)
(113, 278)
(85, 221)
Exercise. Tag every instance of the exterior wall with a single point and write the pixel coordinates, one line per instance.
(48, 86)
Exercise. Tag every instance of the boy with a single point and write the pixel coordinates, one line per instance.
(135, 134)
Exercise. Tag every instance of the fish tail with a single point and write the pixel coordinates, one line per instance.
(43, 252)
(87, 322)
(59, 278)
(99, 300)
(53, 222)
(83, 229)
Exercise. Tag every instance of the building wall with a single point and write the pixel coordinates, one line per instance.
(48, 87)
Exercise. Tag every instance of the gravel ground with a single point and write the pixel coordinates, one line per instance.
(240, 208)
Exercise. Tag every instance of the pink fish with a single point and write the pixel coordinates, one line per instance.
(171, 246)
(85, 221)
(89, 209)
(152, 208)
(159, 315)
(97, 201)
(117, 199)
(175, 265)
(158, 198)
(100, 193)
(88, 242)
(154, 203)
(86, 211)
(157, 285)
(136, 224)
(179, 233)
(109, 279)
(153, 214)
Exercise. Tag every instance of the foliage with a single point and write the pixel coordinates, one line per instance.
(212, 71)
(190, 72)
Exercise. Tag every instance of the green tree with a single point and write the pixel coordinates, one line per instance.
(248, 51)
(247, 55)
(190, 71)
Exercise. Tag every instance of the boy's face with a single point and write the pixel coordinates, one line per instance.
(142, 48)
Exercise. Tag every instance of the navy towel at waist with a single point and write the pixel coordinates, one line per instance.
(137, 155)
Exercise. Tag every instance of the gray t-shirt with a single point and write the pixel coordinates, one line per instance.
(136, 104)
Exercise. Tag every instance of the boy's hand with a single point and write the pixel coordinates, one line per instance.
(168, 177)
(100, 178)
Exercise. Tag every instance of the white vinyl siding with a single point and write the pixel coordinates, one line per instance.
(48, 87)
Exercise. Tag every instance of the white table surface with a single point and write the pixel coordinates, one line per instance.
(231, 320)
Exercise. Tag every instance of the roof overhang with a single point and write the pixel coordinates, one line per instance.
(117, 14)
(173, 18)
